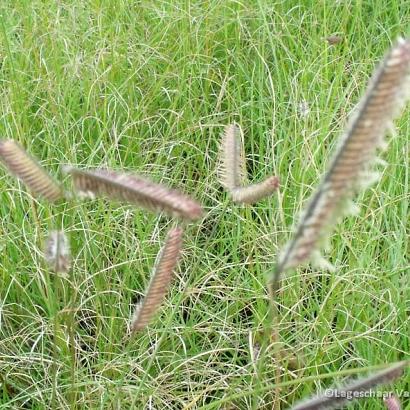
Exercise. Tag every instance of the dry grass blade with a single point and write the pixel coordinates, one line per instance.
(134, 190)
(160, 281)
(382, 101)
(231, 170)
(252, 193)
(29, 171)
(57, 252)
(338, 398)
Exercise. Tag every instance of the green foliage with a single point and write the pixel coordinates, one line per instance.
(148, 86)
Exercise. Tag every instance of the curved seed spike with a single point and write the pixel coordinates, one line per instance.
(160, 281)
(134, 190)
(29, 171)
(392, 402)
(232, 169)
(57, 252)
(381, 102)
(252, 193)
(338, 398)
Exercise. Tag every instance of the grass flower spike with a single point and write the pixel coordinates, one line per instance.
(160, 281)
(253, 193)
(57, 252)
(232, 170)
(29, 171)
(392, 402)
(373, 117)
(134, 190)
(341, 396)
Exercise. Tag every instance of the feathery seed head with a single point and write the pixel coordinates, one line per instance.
(24, 167)
(392, 402)
(160, 281)
(231, 169)
(252, 193)
(341, 396)
(57, 252)
(134, 190)
(378, 107)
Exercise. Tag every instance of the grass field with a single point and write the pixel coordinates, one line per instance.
(148, 86)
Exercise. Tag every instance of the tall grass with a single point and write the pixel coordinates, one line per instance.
(148, 87)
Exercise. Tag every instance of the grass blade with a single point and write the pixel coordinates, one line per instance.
(338, 398)
(160, 281)
(134, 190)
(380, 104)
(24, 167)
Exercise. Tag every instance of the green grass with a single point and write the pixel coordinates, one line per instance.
(148, 86)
